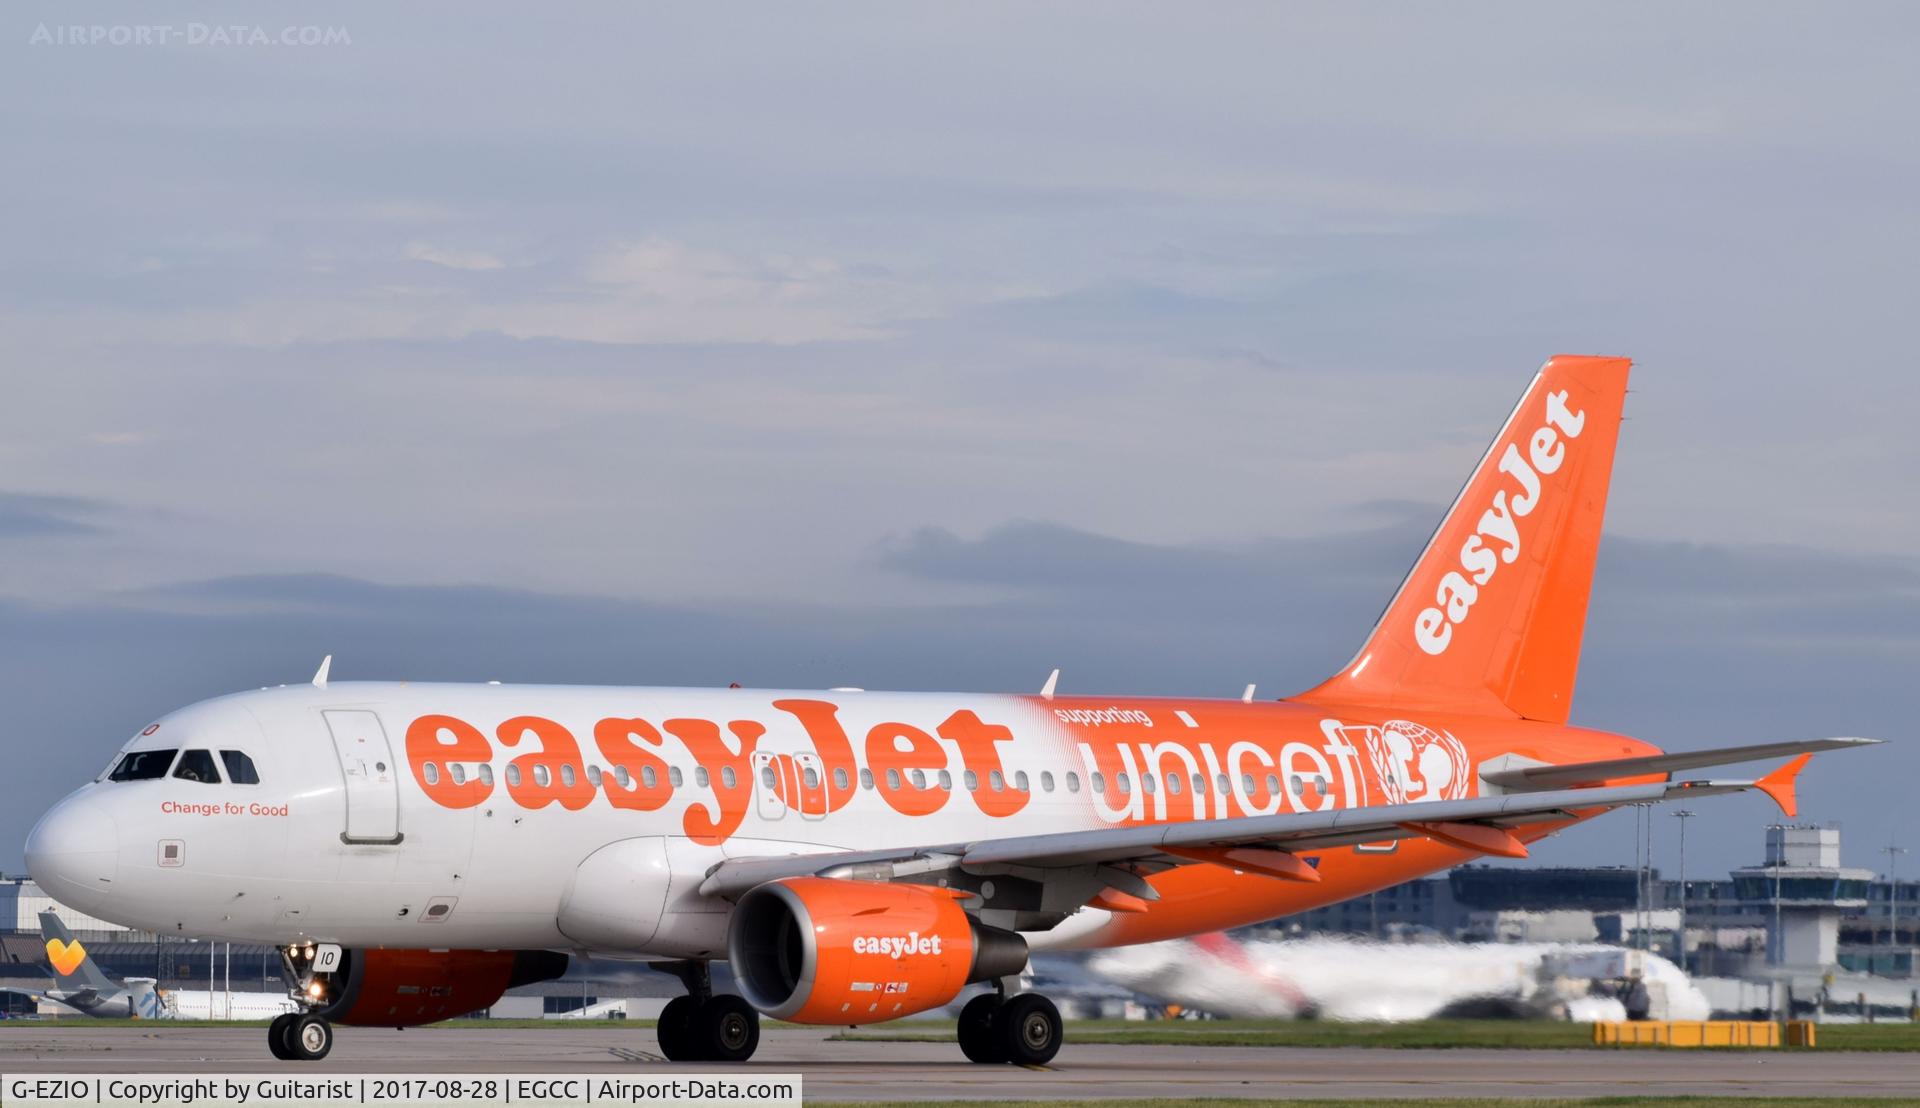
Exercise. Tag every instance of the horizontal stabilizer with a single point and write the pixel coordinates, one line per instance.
(1528, 778)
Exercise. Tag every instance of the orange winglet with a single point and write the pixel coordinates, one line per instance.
(1253, 859)
(1779, 785)
(1113, 900)
(1497, 841)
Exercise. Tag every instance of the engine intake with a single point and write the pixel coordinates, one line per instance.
(826, 950)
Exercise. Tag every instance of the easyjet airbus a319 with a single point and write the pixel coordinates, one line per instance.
(416, 849)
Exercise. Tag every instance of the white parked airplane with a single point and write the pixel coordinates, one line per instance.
(417, 849)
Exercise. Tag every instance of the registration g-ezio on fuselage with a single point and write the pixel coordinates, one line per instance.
(416, 849)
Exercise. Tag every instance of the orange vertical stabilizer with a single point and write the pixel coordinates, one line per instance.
(1490, 618)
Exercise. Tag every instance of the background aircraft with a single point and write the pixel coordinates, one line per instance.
(89, 990)
(82, 986)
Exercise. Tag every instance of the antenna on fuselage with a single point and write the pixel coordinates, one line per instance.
(1046, 690)
(1247, 697)
(320, 675)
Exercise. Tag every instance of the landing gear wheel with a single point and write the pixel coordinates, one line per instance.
(675, 1029)
(1028, 1028)
(977, 1039)
(726, 1029)
(277, 1036)
(309, 1038)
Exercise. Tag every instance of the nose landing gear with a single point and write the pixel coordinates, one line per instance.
(299, 1037)
(702, 1026)
(1023, 1029)
(304, 1036)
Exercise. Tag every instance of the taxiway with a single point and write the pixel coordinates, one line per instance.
(920, 1071)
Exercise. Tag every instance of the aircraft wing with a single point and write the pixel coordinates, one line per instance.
(1263, 844)
(1589, 773)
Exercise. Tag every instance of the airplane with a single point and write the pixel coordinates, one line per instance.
(417, 849)
(81, 985)
(90, 990)
(1344, 978)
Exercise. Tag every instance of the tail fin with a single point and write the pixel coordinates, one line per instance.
(73, 967)
(1490, 618)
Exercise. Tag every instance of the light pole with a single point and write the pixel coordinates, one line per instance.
(1680, 940)
(1893, 854)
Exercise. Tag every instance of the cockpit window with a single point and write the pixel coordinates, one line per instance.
(197, 765)
(143, 765)
(240, 769)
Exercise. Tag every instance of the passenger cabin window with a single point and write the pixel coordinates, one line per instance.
(1046, 781)
(1073, 782)
(197, 765)
(240, 769)
(143, 765)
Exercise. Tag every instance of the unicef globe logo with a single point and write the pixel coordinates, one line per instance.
(1415, 762)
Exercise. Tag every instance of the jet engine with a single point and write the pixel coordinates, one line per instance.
(828, 950)
(406, 988)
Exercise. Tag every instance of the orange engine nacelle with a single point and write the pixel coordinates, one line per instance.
(825, 950)
(406, 988)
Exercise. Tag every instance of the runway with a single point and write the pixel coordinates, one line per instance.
(924, 1071)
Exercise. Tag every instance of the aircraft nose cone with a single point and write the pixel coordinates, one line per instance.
(73, 853)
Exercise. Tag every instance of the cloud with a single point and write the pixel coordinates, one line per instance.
(471, 260)
(29, 515)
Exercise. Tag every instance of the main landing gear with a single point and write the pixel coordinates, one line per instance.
(702, 1026)
(1023, 1029)
(299, 1037)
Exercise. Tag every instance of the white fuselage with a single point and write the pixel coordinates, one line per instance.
(560, 817)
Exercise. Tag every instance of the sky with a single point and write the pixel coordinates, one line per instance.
(935, 346)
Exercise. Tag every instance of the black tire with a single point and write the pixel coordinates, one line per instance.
(977, 1039)
(1028, 1028)
(726, 1029)
(277, 1036)
(309, 1038)
(675, 1030)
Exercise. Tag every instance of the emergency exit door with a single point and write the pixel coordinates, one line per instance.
(372, 781)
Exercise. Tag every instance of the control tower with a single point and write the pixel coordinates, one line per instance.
(1801, 891)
